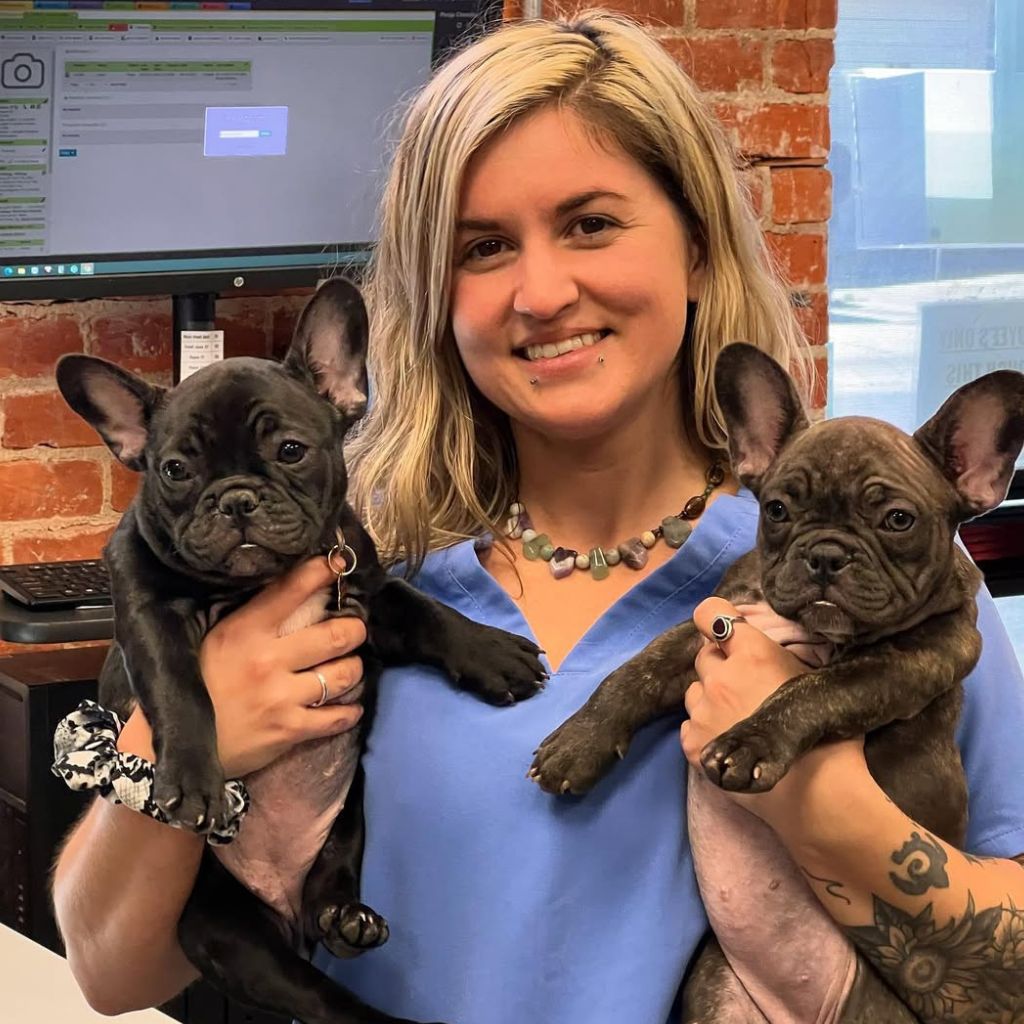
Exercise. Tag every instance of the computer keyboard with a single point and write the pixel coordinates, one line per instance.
(51, 585)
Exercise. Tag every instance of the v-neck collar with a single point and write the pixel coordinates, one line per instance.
(724, 532)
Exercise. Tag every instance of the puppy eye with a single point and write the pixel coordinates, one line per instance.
(776, 511)
(175, 469)
(291, 451)
(898, 520)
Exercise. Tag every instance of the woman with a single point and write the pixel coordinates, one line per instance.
(564, 247)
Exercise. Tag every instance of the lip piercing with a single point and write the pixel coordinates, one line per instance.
(600, 359)
(722, 628)
(533, 381)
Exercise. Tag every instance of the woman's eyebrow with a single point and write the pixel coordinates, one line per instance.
(564, 207)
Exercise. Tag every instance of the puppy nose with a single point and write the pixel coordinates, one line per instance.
(825, 561)
(238, 501)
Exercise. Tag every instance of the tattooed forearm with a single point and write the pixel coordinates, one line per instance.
(969, 971)
(832, 887)
(925, 863)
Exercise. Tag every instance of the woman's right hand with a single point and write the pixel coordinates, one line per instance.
(262, 684)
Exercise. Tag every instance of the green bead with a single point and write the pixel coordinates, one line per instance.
(547, 551)
(598, 564)
(675, 531)
(531, 548)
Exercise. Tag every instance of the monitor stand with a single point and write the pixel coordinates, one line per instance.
(191, 311)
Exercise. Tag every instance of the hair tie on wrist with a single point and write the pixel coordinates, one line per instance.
(86, 757)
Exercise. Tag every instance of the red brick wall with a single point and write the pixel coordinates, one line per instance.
(764, 63)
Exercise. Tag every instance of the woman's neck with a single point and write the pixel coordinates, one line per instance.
(602, 491)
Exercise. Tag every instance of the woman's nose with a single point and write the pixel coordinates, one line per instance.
(545, 286)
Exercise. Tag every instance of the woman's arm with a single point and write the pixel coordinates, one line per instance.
(941, 926)
(122, 879)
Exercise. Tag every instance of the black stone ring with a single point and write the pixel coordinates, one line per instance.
(721, 627)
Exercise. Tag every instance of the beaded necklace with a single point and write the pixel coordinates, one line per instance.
(633, 552)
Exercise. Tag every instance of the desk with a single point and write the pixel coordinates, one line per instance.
(38, 988)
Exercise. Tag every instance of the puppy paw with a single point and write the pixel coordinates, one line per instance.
(497, 666)
(577, 755)
(190, 793)
(348, 930)
(746, 760)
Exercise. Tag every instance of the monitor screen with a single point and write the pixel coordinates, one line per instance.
(170, 147)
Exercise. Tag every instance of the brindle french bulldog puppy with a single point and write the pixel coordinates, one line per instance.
(243, 478)
(856, 543)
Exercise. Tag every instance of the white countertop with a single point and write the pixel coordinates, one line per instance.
(36, 987)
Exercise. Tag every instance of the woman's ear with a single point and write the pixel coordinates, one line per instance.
(696, 276)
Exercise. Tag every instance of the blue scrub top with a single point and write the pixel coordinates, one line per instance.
(510, 906)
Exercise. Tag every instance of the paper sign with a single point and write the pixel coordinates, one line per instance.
(199, 349)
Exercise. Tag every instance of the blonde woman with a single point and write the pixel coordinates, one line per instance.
(564, 247)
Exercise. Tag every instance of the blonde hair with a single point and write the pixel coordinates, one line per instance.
(433, 462)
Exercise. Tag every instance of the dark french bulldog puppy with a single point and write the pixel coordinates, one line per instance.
(243, 478)
(856, 542)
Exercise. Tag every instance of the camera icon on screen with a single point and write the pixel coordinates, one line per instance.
(22, 71)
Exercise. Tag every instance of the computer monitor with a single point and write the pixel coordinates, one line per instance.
(198, 148)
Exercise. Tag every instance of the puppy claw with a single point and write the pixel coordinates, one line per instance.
(565, 787)
(756, 773)
(620, 751)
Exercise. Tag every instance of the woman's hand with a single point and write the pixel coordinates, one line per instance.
(734, 681)
(262, 684)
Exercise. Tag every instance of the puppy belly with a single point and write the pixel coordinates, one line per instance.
(294, 803)
(789, 955)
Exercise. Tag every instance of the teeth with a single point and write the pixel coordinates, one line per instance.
(568, 345)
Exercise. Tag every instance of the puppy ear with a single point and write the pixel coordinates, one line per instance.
(762, 409)
(116, 403)
(329, 347)
(976, 437)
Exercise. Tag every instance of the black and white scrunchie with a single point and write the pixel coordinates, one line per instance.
(86, 757)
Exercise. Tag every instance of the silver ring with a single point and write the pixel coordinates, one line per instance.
(722, 627)
(322, 699)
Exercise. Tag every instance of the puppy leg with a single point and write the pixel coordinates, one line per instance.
(712, 994)
(582, 749)
(331, 911)
(242, 948)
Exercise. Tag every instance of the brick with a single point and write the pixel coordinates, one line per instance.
(245, 323)
(802, 65)
(31, 345)
(800, 258)
(801, 195)
(44, 419)
(285, 319)
(777, 129)
(766, 13)
(123, 485)
(649, 12)
(38, 490)
(812, 315)
(754, 182)
(139, 341)
(55, 545)
(720, 63)
(819, 384)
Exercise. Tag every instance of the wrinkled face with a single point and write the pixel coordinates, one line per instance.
(857, 529)
(244, 471)
(572, 270)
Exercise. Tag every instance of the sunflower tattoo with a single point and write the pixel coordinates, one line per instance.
(971, 969)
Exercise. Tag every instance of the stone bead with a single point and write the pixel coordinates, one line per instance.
(715, 474)
(633, 553)
(675, 531)
(532, 545)
(513, 528)
(562, 563)
(648, 539)
(598, 565)
(546, 551)
(583, 561)
(694, 506)
(528, 535)
(516, 508)
(612, 556)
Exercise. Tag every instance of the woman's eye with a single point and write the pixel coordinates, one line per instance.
(291, 451)
(776, 511)
(593, 224)
(175, 469)
(486, 249)
(898, 520)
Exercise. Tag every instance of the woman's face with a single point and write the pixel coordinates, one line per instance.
(572, 269)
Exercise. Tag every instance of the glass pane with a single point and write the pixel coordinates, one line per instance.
(1011, 611)
(926, 241)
